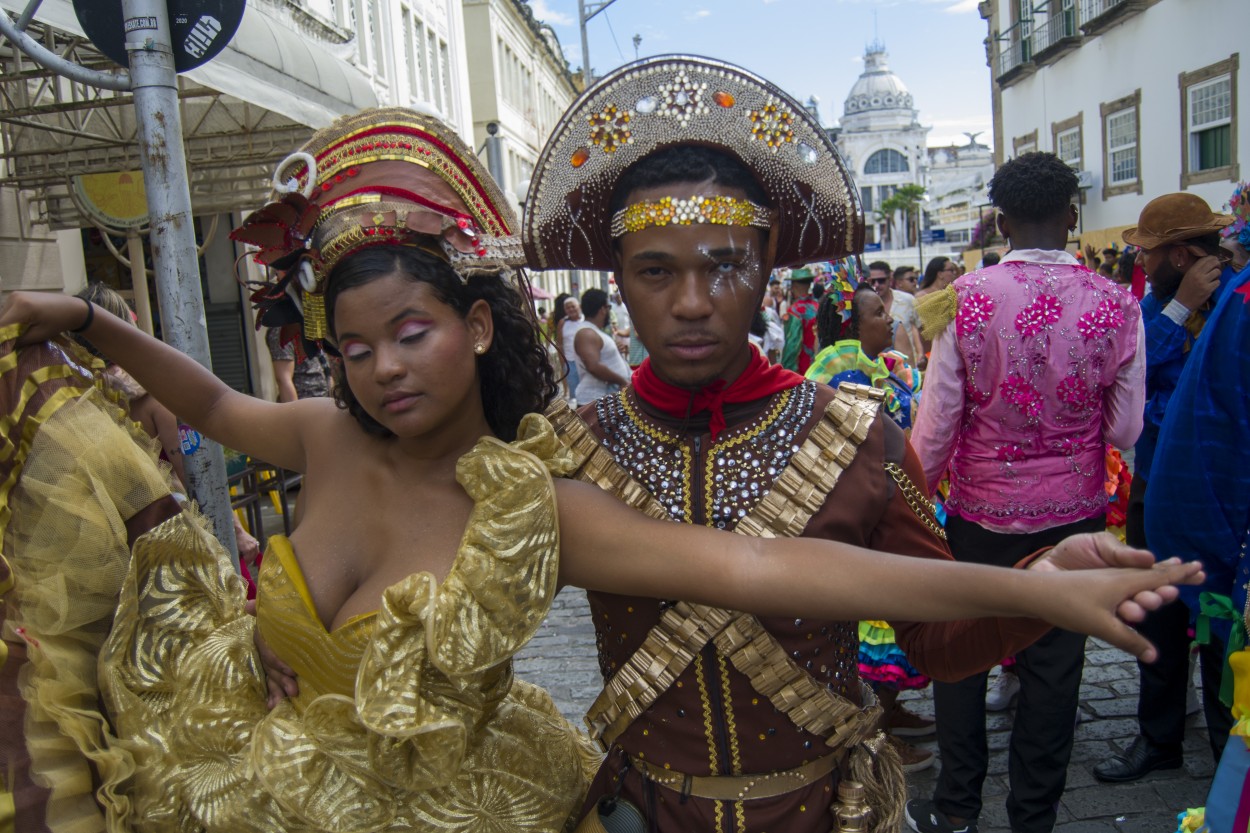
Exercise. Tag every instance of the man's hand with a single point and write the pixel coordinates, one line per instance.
(279, 677)
(1094, 551)
(1201, 280)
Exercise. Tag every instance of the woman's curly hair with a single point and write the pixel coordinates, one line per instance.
(830, 327)
(516, 377)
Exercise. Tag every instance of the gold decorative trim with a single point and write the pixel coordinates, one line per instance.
(919, 503)
(685, 628)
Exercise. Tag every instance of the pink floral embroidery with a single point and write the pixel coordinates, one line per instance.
(1039, 315)
(1068, 446)
(1076, 394)
(1105, 317)
(1010, 453)
(974, 311)
(1026, 398)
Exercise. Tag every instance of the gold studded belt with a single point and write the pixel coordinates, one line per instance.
(740, 787)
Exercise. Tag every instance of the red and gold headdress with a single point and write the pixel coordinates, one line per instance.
(385, 176)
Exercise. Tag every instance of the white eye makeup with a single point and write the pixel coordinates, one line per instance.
(734, 267)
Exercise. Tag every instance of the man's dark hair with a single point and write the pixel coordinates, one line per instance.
(991, 259)
(593, 300)
(880, 266)
(1209, 243)
(902, 271)
(687, 163)
(818, 291)
(1033, 187)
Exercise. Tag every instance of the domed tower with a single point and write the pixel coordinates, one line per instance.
(883, 142)
(879, 100)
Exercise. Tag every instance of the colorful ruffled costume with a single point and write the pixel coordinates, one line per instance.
(881, 660)
(408, 719)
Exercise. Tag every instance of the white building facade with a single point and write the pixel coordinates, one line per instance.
(520, 86)
(1142, 96)
(883, 142)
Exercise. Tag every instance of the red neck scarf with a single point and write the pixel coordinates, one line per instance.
(760, 379)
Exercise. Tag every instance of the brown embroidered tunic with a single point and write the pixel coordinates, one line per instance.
(711, 721)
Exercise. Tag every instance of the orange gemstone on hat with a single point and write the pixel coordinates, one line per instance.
(723, 98)
(580, 157)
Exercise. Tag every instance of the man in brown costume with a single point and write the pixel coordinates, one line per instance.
(691, 179)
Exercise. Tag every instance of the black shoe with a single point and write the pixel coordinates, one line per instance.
(923, 816)
(1140, 758)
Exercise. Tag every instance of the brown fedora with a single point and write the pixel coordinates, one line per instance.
(1173, 218)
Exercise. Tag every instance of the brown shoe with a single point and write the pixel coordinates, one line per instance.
(912, 758)
(907, 724)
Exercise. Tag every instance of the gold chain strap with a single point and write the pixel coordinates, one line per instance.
(916, 499)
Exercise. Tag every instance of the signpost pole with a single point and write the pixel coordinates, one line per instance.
(139, 279)
(175, 259)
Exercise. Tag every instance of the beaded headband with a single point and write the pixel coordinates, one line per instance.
(666, 211)
(671, 100)
(385, 176)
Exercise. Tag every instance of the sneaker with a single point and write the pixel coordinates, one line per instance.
(908, 724)
(913, 758)
(1003, 692)
(923, 816)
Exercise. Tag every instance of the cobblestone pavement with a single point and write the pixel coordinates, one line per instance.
(561, 658)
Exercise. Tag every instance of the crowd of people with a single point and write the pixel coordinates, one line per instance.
(792, 488)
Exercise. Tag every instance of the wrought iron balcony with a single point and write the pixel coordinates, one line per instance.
(1055, 35)
(1015, 60)
(1097, 15)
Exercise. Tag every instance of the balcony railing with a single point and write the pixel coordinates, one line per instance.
(1015, 58)
(1055, 34)
(1098, 14)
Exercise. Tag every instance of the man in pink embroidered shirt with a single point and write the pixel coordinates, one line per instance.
(1035, 367)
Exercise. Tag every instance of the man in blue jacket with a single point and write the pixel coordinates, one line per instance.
(1179, 235)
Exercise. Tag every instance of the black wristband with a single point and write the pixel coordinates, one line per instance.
(90, 317)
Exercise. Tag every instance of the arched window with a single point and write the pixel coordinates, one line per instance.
(886, 161)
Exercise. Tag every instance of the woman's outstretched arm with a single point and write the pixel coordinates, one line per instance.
(607, 546)
(263, 429)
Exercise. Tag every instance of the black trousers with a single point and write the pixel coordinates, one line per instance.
(1165, 682)
(1050, 682)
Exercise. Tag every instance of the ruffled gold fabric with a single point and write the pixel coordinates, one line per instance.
(936, 310)
(417, 725)
(74, 469)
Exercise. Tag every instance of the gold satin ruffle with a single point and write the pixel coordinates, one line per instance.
(438, 735)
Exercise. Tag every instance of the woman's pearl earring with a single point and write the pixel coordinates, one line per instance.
(479, 348)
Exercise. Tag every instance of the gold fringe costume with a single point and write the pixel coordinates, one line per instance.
(408, 718)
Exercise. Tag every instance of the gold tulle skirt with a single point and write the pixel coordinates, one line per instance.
(145, 701)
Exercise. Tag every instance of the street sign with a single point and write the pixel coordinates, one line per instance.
(200, 29)
(933, 235)
(872, 247)
(116, 200)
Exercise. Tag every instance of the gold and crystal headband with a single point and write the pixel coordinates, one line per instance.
(718, 211)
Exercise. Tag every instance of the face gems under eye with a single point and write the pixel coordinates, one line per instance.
(738, 273)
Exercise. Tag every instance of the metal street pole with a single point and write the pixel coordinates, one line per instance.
(585, 11)
(154, 83)
(153, 80)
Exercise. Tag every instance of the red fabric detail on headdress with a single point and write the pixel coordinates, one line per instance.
(759, 380)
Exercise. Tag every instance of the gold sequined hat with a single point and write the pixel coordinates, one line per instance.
(385, 176)
(673, 100)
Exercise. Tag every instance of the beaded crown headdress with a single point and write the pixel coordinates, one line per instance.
(670, 100)
(384, 176)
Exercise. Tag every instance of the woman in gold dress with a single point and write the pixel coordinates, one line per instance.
(436, 532)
